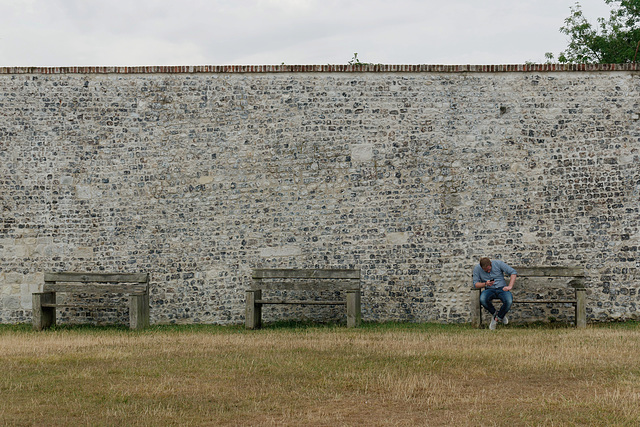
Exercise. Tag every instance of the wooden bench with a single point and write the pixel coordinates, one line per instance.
(564, 277)
(136, 286)
(303, 280)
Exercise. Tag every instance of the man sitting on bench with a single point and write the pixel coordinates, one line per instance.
(490, 276)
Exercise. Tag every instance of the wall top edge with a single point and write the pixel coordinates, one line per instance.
(372, 68)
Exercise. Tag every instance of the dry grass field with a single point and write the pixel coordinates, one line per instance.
(287, 375)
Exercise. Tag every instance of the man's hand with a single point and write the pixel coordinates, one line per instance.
(512, 281)
(489, 283)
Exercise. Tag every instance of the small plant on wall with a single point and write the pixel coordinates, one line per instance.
(356, 61)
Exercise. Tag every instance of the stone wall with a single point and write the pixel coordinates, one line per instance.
(197, 176)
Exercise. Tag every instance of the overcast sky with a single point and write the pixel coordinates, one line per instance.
(261, 32)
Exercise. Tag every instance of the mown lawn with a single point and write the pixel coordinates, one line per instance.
(321, 375)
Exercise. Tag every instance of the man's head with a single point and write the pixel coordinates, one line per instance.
(485, 264)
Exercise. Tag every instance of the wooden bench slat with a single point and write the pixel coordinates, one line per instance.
(290, 273)
(338, 285)
(558, 283)
(550, 271)
(545, 301)
(90, 288)
(97, 277)
(300, 302)
(56, 305)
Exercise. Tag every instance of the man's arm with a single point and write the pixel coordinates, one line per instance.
(512, 281)
(480, 285)
(476, 279)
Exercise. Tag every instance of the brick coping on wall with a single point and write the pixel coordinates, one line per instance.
(374, 68)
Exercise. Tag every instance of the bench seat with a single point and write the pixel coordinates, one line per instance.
(278, 279)
(571, 278)
(134, 285)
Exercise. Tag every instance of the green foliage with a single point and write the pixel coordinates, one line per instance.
(356, 61)
(611, 41)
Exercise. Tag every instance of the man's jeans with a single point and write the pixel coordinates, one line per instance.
(490, 294)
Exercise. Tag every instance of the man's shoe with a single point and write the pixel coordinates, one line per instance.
(494, 321)
(505, 321)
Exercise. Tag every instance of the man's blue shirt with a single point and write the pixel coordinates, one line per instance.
(498, 270)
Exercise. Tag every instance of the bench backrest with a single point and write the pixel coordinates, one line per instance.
(96, 282)
(577, 274)
(306, 279)
(550, 271)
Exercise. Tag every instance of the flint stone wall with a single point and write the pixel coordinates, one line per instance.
(411, 174)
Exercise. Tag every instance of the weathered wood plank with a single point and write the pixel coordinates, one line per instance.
(80, 305)
(354, 314)
(68, 276)
(307, 302)
(295, 285)
(545, 301)
(476, 308)
(139, 311)
(95, 288)
(581, 308)
(294, 273)
(549, 271)
(545, 283)
(253, 311)
(43, 316)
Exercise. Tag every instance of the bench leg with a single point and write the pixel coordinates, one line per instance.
(581, 308)
(354, 314)
(43, 317)
(138, 311)
(253, 311)
(476, 308)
